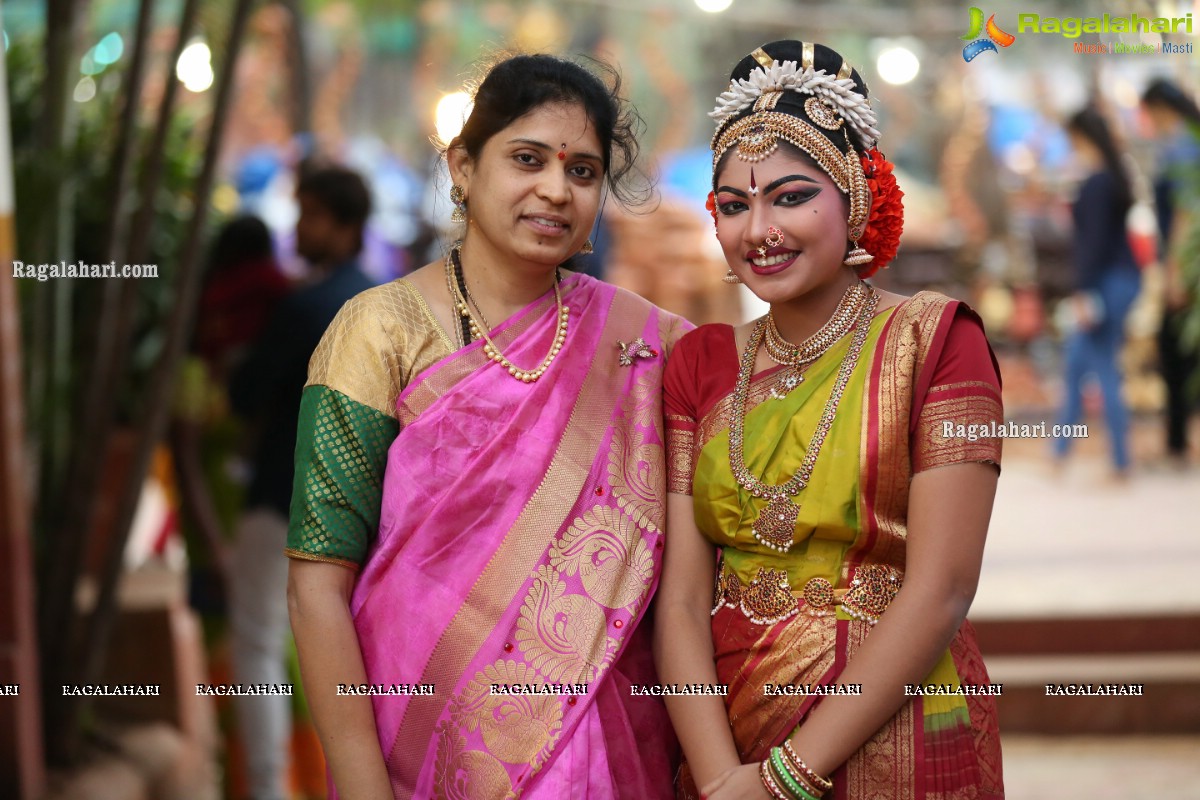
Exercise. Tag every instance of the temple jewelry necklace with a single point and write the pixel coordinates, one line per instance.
(776, 524)
(489, 347)
(797, 357)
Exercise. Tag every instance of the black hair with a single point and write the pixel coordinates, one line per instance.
(1089, 123)
(241, 240)
(1162, 93)
(341, 191)
(519, 84)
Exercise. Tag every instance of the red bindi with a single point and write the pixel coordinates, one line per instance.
(562, 154)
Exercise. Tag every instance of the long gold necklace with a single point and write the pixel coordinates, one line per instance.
(490, 349)
(775, 526)
(795, 357)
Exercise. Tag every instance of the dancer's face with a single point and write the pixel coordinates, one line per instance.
(789, 192)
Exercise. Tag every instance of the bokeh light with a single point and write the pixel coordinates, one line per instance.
(84, 90)
(898, 65)
(194, 68)
(109, 49)
(713, 6)
(451, 114)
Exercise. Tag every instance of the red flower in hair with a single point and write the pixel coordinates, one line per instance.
(711, 205)
(886, 222)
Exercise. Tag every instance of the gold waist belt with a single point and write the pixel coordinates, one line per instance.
(769, 599)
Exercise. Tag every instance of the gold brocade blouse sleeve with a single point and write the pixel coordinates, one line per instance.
(679, 410)
(963, 408)
(377, 343)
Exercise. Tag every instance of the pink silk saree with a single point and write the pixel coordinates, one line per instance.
(520, 542)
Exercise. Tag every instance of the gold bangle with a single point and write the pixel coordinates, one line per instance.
(822, 784)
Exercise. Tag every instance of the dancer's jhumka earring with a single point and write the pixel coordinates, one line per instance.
(731, 277)
(587, 248)
(459, 198)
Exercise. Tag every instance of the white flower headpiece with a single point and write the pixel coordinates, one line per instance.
(786, 76)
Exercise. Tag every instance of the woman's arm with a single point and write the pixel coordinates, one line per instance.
(327, 644)
(948, 513)
(683, 645)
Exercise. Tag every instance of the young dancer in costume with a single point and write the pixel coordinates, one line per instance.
(825, 532)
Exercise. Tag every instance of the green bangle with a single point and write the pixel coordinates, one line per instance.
(785, 774)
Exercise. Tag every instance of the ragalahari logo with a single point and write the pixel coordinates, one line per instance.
(995, 36)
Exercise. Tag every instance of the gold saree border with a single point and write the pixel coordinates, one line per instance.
(758, 721)
(524, 543)
(886, 764)
(902, 354)
(962, 403)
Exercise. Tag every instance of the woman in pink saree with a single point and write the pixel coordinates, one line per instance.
(478, 514)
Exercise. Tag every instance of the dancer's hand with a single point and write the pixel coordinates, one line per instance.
(739, 783)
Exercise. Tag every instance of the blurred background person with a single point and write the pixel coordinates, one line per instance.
(334, 207)
(1175, 120)
(242, 286)
(1106, 282)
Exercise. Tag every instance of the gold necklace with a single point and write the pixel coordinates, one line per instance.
(490, 349)
(775, 526)
(798, 356)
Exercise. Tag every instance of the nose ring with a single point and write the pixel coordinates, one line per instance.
(774, 239)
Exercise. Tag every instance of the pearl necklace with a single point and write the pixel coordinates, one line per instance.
(489, 347)
(775, 526)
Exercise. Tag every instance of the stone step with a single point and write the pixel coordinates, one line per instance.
(1169, 702)
(1159, 652)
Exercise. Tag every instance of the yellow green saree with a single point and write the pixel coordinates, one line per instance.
(787, 621)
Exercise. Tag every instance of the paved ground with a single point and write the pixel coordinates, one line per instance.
(1074, 542)
(1079, 543)
(1134, 768)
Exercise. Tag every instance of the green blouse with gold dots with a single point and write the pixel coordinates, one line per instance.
(379, 341)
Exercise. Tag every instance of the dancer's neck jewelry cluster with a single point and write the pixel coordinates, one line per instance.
(798, 356)
(563, 314)
(776, 524)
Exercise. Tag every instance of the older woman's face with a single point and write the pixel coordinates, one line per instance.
(534, 192)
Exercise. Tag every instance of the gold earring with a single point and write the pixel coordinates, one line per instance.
(459, 198)
(731, 277)
(857, 256)
(587, 248)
